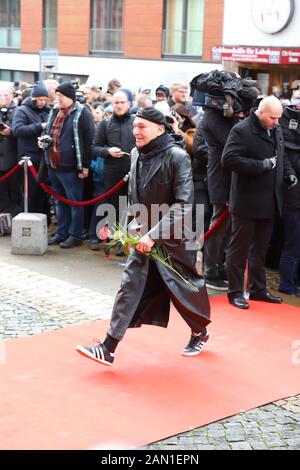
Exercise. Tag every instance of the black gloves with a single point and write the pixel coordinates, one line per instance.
(291, 180)
(269, 163)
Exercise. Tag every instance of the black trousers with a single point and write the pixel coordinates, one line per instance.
(249, 239)
(10, 194)
(215, 246)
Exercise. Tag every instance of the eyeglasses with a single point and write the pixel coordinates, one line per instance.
(120, 102)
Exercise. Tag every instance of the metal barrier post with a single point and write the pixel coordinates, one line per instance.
(26, 162)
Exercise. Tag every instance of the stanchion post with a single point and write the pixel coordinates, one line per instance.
(26, 162)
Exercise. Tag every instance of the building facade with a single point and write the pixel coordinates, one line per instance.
(261, 39)
(137, 41)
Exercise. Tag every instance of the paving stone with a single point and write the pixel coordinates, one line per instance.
(235, 437)
(293, 442)
(234, 425)
(171, 441)
(257, 445)
(241, 446)
(216, 433)
(205, 447)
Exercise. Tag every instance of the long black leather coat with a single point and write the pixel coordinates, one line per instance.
(168, 180)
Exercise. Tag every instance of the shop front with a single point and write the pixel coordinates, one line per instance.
(261, 40)
(275, 69)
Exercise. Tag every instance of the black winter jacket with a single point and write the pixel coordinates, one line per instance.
(8, 145)
(200, 158)
(27, 126)
(255, 193)
(290, 123)
(115, 132)
(216, 128)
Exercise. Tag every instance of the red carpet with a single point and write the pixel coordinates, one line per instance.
(53, 398)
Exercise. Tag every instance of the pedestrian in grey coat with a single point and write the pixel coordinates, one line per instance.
(160, 174)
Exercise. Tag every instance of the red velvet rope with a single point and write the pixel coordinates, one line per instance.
(216, 225)
(49, 190)
(10, 172)
(108, 193)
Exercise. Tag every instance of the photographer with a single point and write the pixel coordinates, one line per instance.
(10, 189)
(68, 152)
(29, 122)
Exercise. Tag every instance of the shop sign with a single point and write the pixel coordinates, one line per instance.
(262, 55)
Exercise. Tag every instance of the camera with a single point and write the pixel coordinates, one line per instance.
(80, 97)
(248, 81)
(4, 114)
(75, 84)
(45, 142)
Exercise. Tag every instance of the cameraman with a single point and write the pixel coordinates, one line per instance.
(10, 189)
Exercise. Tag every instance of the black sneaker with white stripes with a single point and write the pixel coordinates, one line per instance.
(195, 345)
(97, 353)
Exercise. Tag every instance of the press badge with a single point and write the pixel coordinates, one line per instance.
(293, 124)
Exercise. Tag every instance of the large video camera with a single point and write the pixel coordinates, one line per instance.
(224, 91)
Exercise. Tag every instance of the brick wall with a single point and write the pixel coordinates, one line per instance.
(143, 23)
(213, 26)
(73, 27)
(143, 28)
(31, 25)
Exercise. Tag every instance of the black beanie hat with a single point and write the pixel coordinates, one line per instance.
(39, 89)
(153, 115)
(163, 89)
(67, 89)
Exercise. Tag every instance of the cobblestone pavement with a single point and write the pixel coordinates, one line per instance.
(275, 426)
(54, 303)
(42, 302)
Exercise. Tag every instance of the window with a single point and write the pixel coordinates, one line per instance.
(183, 27)
(10, 24)
(107, 25)
(49, 24)
(18, 76)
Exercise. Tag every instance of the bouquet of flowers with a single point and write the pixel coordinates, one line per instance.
(121, 238)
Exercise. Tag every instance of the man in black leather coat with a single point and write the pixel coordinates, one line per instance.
(160, 174)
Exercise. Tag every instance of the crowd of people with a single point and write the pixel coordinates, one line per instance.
(80, 140)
